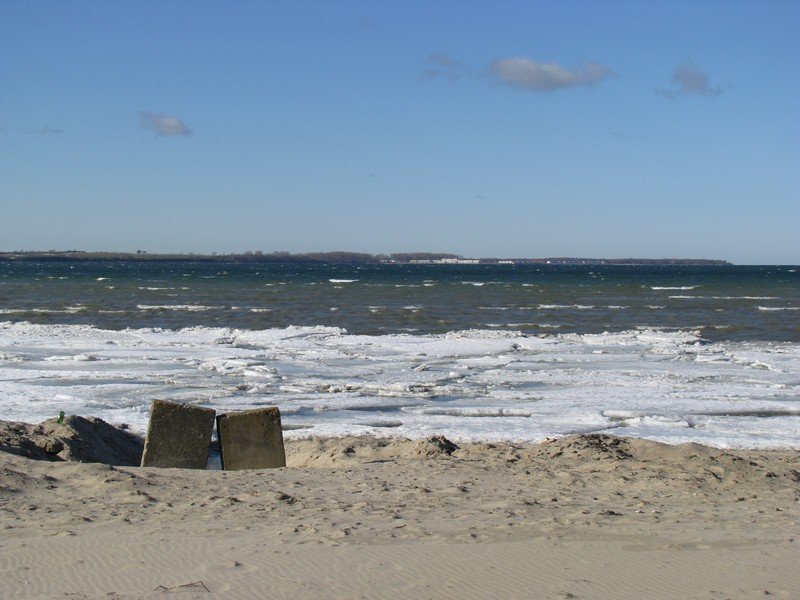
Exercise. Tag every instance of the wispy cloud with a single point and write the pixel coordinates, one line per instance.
(46, 130)
(445, 67)
(528, 74)
(689, 81)
(166, 125)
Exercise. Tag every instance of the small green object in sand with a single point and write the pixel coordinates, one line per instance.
(60, 417)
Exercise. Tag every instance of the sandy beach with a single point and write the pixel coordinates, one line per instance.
(576, 517)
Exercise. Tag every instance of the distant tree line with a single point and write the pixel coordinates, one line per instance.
(258, 256)
(337, 257)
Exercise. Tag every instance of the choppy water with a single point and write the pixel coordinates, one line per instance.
(741, 303)
(708, 354)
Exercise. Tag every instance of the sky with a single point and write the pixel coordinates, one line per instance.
(610, 129)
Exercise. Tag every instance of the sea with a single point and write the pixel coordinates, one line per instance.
(517, 353)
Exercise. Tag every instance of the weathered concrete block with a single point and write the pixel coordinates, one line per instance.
(179, 435)
(251, 439)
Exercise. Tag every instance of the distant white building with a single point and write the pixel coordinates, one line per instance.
(445, 261)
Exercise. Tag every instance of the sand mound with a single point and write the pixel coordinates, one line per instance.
(82, 439)
(605, 447)
(332, 452)
(433, 447)
(593, 446)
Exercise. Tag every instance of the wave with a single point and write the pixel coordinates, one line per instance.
(566, 307)
(481, 283)
(725, 297)
(71, 310)
(184, 307)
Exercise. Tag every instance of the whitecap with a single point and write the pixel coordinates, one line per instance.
(566, 307)
(724, 297)
(184, 307)
(43, 311)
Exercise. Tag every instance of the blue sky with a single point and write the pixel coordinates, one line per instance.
(606, 129)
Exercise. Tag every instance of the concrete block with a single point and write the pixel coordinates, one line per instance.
(252, 439)
(179, 435)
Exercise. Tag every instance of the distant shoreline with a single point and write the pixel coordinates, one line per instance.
(415, 258)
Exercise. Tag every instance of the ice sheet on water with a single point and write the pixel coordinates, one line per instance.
(472, 412)
(471, 385)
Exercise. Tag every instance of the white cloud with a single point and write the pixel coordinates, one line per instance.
(522, 72)
(166, 125)
(689, 80)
